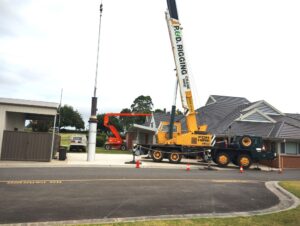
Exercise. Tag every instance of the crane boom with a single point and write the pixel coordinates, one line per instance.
(175, 33)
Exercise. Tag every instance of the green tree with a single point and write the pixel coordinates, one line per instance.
(126, 121)
(159, 111)
(70, 117)
(142, 104)
(40, 125)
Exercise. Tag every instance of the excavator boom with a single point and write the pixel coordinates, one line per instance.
(116, 140)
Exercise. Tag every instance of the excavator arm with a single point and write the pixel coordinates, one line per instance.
(116, 140)
(113, 129)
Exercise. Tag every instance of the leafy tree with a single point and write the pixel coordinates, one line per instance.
(40, 125)
(70, 117)
(126, 121)
(142, 104)
(159, 111)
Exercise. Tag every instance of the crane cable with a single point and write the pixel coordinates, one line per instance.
(101, 10)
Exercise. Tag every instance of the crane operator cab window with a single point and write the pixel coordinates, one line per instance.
(165, 128)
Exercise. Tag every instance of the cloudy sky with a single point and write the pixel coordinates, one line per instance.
(234, 47)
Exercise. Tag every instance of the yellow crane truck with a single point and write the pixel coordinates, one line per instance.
(173, 143)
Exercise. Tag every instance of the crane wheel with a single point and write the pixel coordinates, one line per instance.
(157, 155)
(222, 159)
(123, 148)
(246, 142)
(244, 160)
(175, 157)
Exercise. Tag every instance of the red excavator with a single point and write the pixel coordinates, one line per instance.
(116, 140)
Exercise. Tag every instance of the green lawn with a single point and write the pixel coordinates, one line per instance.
(65, 139)
(286, 218)
(113, 151)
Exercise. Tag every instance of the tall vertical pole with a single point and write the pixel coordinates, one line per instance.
(59, 110)
(53, 136)
(93, 119)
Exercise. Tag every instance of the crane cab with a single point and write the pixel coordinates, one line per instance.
(162, 135)
(199, 138)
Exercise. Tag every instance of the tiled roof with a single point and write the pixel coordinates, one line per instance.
(228, 99)
(223, 114)
(221, 118)
(161, 117)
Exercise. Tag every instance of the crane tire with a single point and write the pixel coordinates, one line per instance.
(246, 141)
(157, 155)
(175, 157)
(222, 159)
(244, 160)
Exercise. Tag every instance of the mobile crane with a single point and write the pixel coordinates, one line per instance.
(116, 140)
(173, 143)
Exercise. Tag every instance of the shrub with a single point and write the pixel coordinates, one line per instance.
(100, 140)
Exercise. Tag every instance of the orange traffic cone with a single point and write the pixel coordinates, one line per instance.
(241, 169)
(188, 168)
(137, 164)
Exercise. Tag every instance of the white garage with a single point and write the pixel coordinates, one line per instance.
(15, 142)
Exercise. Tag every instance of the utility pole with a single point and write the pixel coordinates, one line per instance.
(93, 119)
(59, 110)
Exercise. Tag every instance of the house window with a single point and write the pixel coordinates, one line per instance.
(290, 148)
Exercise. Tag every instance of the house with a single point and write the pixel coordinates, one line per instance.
(15, 142)
(228, 116)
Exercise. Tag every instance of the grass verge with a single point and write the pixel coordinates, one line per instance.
(286, 218)
(113, 151)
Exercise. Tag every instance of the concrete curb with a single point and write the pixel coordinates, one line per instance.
(287, 201)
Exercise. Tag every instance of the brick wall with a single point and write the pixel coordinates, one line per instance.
(288, 161)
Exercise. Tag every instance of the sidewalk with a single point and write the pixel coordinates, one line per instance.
(119, 160)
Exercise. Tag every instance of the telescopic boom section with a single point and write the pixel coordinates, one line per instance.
(175, 32)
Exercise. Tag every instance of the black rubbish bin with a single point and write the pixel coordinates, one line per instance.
(62, 153)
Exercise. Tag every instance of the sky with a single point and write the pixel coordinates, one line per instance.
(235, 48)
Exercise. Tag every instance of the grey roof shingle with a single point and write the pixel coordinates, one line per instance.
(221, 114)
(250, 128)
(289, 131)
(228, 99)
(162, 117)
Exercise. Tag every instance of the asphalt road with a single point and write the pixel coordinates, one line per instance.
(58, 194)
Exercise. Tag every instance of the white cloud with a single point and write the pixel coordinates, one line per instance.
(238, 48)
